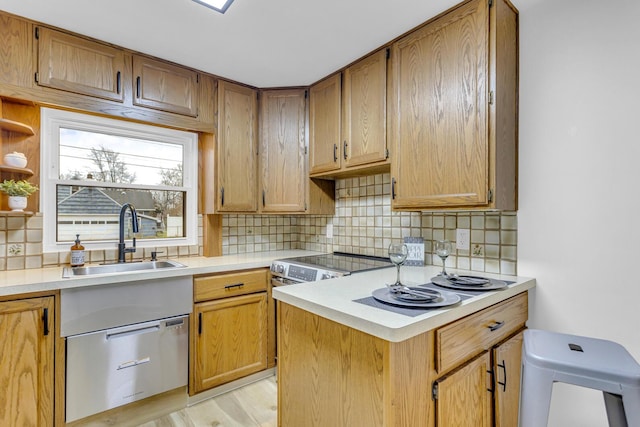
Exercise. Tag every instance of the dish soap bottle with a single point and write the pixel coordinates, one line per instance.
(77, 253)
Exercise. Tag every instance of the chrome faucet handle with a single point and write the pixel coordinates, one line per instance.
(154, 255)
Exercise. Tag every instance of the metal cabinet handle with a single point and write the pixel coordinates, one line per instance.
(263, 198)
(344, 150)
(393, 188)
(199, 323)
(496, 326)
(492, 389)
(45, 320)
(504, 370)
(235, 285)
(118, 82)
(138, 87)
(335, 152)
(222, 196)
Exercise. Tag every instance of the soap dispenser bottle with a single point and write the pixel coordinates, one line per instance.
(77, 253)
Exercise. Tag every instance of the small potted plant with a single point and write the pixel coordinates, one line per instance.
(18, 191)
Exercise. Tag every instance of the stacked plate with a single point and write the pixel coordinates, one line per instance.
(415, 297)
(468, 283)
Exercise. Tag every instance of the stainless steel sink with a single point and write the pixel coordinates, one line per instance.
(120, 268)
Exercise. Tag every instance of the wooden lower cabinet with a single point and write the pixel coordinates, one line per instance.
(507, 366)
(229, 334)
(464, 397)
(27, 362)
(331, 374)
(487, 388)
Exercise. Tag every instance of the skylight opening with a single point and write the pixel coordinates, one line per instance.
(217, 5)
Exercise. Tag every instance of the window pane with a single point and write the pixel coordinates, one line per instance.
(120, 159)
(94, 213)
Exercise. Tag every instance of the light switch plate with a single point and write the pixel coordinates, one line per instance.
(463, 237)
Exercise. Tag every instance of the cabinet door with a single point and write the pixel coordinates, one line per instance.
(464, 397)
(231, 339)
(439, 116)
(283, 171)
(324, 125)
(237, 148)
(78, 65)
(27, 354)
(165, 87)
(364, 128)
(16, 67)
(507, 363)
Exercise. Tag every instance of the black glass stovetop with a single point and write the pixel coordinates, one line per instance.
(341, 261)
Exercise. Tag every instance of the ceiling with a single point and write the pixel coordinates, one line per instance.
(257, 42)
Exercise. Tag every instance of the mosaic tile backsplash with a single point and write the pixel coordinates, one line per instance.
(363, 224)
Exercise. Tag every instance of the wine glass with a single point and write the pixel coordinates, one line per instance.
(443, 249)
(398, 253)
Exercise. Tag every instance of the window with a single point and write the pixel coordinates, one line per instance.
(92, 166)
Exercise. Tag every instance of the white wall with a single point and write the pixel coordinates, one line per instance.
(579, 217)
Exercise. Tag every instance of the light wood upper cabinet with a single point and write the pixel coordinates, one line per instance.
(237, 148)
(348, 121)
(27, 368)
(283, 170)
(79, 65)
(364, 106)
(16, 52)
(164, 86)
(453, 111)
(324, 125)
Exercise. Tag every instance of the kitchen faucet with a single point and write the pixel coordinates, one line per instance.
(122, 249)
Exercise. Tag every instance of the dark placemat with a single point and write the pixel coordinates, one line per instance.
(412, 312)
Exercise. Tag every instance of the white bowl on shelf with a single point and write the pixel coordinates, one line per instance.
(15, 159)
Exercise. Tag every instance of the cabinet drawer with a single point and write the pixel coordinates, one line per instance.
(230, 284)
(467, 337)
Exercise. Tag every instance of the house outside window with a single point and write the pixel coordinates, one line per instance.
(92, 166)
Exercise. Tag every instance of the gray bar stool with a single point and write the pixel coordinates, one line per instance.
(549, 357)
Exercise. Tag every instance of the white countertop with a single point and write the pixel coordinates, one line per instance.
(49, 279)
(334, 299)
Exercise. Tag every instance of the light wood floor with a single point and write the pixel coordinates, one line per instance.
(249, 406)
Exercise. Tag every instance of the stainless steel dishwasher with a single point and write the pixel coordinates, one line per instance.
(125, 342)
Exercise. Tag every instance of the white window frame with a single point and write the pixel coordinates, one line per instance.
(51, 122)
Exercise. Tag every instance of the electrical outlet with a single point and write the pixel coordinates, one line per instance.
(463, 238)
(329, 231)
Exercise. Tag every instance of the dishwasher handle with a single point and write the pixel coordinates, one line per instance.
(136, 331)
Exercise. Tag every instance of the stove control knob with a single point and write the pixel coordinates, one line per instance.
(326, 276)
(277, 268)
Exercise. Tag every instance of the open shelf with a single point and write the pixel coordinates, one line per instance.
(14, 213)
(14, 126)
(13, 170)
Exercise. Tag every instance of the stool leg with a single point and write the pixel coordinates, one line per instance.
(535, 396)
(631, 401)
(615, 410)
